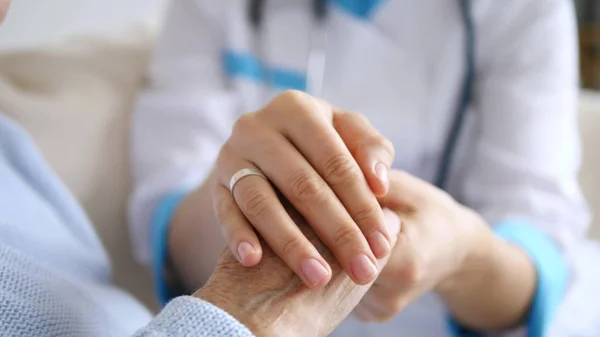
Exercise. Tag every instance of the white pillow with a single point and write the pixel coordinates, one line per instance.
(75, 101)
(32, 23)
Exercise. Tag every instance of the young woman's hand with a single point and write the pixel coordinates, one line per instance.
(437, 236)
(329, 164)
(486, 282)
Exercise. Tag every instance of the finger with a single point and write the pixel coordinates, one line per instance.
(314, 199)
(373, 152)
(365, 310)
(306, 122)
(237, 231)
(385, 302)
(362, 314)
(407, 192)
(401, 272)
(378, 309)
(352, 295)
(260, 204)
(393, 223)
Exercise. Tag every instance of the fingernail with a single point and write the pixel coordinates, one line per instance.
(245, 250)
(381, 170)
(392, 221)
(313, 271)
(379, 244)
(362, 267)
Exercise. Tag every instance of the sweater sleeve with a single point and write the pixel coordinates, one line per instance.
(189, 316)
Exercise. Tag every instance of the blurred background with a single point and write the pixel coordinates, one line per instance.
(32, 23)
(70, 71)
(589, 35)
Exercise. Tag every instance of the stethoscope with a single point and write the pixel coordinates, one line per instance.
(317, 60)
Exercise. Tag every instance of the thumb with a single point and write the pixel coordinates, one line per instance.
(407, 192)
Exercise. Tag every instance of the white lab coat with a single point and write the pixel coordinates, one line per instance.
(402, 67)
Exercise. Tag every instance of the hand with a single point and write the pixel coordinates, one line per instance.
(437, 239)
(329, 164)
(271, 301)
(3, 9)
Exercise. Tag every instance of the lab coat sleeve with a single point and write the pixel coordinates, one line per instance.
(522, 172)
(182, 117)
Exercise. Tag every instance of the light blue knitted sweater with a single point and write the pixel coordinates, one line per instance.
(54, 272)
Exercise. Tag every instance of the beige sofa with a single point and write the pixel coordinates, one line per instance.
(76, 100)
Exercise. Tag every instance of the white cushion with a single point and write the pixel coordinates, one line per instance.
(75, 101)
(33, 23)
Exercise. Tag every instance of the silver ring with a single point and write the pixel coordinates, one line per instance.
(243, 173)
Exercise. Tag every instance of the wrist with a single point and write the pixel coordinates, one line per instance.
(480, 250)
(267, 306)
(256, 315)
(494, 286)
(194, 238)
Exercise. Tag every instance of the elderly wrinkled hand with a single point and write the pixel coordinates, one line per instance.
(271, 301)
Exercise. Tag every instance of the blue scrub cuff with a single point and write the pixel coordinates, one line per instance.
(552, 275)
(159, 226)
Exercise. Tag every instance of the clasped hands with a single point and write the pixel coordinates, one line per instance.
(369, 225)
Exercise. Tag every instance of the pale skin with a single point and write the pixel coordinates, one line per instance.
(327, 163)
(330, 164)
(486, 283)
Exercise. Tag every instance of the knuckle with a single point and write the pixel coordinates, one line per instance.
(344, 236)
(244, 124)
(225, 152)
(386, 143)
(367, 215)
(297, 102)
(393, 307)
(222, 210)
(255, 203)
(307, 187)
(379, 141)
(342, 171)
(359, 118)
(409, 271)
(228, 264)
(292, 95)
(411, 274)
(290, 246)
(289, 98)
